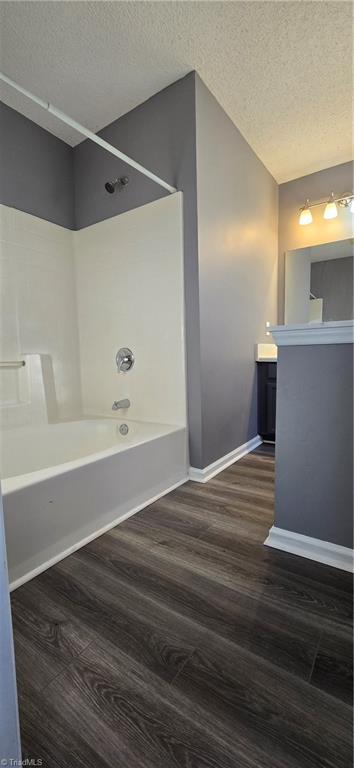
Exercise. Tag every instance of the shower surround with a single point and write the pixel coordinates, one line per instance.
(129, 282)
(38, 316)
(70, 300)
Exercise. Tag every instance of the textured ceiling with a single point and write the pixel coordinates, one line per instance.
(281, 69)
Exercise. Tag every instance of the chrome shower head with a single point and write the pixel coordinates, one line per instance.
(111, 186)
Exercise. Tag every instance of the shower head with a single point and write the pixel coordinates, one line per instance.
(111, 186)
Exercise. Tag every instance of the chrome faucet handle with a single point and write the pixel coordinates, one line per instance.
(124, 360)
(121, 404)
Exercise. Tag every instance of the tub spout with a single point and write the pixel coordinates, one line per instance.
(121, 404)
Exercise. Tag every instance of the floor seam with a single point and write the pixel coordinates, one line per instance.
(67, 666)
(203, 533)
(180, 670)
(315, 655)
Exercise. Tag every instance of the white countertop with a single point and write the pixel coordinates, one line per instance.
(266, 353)
(334, 332)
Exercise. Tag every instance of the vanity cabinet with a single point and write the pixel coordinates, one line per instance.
(267, 388)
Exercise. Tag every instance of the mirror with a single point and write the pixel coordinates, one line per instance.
(319, 283)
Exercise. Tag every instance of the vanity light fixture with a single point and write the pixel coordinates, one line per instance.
(305, 214)
(331, 210)
(331, 207)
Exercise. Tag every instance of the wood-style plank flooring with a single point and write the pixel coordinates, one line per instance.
(178, 640)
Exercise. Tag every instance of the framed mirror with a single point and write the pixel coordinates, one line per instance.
(319, 283)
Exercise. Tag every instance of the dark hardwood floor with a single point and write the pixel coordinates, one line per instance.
(178, 640)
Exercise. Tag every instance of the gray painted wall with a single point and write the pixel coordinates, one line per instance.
(237, 230)
(292, 195)
(332, 280)
(159, 134)
(314, 442)
(36, 169)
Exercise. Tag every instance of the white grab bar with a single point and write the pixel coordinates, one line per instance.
(12, 363)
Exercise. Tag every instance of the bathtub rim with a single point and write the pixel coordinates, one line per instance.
(16, 483)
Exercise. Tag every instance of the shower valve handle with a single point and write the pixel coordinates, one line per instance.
(124, 359)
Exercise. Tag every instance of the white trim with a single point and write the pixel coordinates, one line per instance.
(313, 549)
(56, 559)
(335, 332)
(203, 475)
(86, 132)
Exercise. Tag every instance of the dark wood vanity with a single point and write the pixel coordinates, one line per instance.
(266, 386)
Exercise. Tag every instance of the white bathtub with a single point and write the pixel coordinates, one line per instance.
(64, 484)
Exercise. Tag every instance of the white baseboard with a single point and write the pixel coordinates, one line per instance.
(313, 549)
(81, 543)
(203, 475)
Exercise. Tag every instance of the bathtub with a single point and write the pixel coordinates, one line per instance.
(64, 484)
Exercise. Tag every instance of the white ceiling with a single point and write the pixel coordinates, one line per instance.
(282, 70)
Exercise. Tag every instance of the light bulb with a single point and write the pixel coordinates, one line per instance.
(330, 211)
(351, 205)
(305, 214)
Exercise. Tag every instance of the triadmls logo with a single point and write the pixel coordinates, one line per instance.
(36, 762)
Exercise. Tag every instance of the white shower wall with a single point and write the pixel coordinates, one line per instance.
(37, 314)
(129, 278)
(69, 300)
